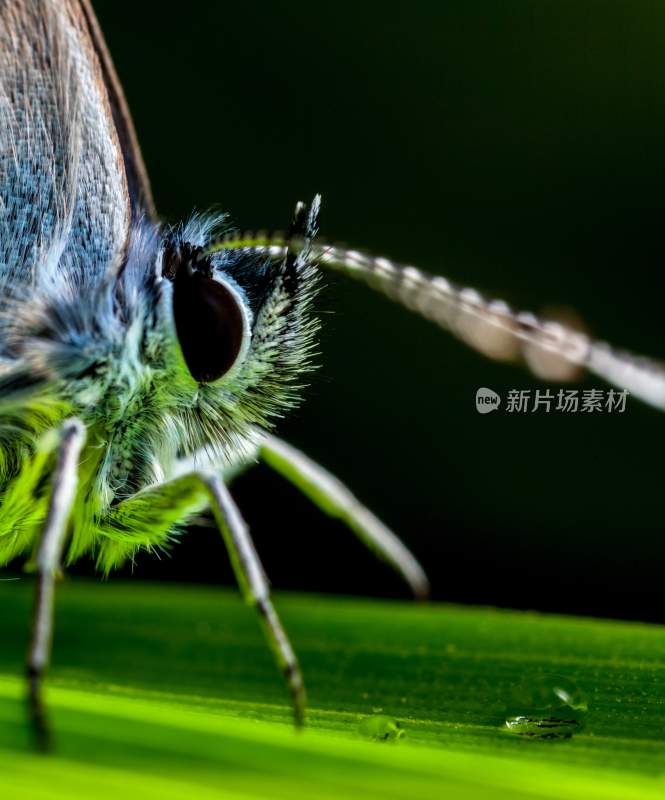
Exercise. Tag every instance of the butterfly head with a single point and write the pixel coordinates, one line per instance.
(239, 325)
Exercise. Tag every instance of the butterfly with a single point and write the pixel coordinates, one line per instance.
(143, 365)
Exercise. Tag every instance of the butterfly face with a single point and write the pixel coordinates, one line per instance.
(229, 334)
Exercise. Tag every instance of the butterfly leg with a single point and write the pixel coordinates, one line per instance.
(151, 507)
(48, 558)
(254, 586)
(332, 497)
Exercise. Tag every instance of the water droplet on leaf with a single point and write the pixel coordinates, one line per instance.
(380, 728)
(546, 707)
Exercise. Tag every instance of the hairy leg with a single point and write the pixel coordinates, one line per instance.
(158, 505)
(254, 586)
(328, 493)
(332, 497)
(49, 555)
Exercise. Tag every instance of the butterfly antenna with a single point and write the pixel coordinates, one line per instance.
(552, 350)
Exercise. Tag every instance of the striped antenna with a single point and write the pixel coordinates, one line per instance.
(552, 350)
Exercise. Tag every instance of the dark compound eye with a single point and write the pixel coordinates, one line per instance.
(209, 323)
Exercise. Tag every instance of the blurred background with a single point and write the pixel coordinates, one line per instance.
(517, 147)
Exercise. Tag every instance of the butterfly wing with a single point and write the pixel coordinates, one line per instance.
(65, 204)
(138, 182)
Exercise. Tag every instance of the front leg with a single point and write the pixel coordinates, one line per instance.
(151, 506)
(328, 493)
(334, 498)
(49, 556)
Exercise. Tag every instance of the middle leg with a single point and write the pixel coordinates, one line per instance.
(156, 508)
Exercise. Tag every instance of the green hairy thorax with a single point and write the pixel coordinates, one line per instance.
(136, 415)
(138, 424)
(141, 414)
(132, 443)
(104, 524)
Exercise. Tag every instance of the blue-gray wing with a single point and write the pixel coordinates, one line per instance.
(65, 205)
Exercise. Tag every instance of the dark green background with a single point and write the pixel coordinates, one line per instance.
(517, 147)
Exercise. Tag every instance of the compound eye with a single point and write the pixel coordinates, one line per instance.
(210, 324)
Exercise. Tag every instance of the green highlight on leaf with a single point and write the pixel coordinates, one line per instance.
(168, 692)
